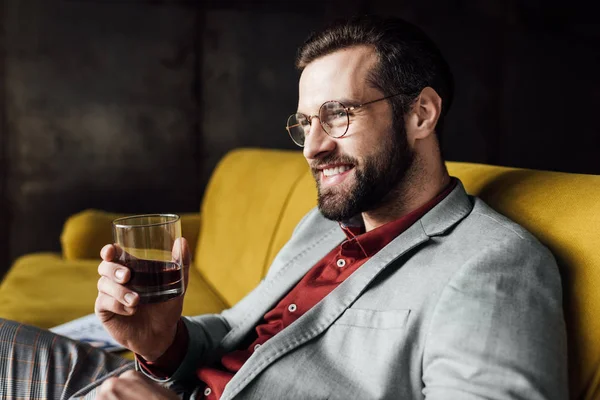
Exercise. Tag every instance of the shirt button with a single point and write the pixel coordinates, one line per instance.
(207, 391)
(341, 262)
(256, 346)
(292, 308)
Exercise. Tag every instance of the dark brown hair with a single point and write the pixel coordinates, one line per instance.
(409, 61)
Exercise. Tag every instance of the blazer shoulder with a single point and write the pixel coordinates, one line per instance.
(498, 228)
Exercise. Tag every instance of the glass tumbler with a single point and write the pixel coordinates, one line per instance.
(150, 246)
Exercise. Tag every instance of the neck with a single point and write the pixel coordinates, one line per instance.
(423, 182)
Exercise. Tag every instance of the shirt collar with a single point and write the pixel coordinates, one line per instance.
(368, 243)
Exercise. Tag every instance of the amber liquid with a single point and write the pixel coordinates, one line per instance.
(155, 281)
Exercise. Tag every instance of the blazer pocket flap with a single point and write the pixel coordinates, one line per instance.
(375, 319)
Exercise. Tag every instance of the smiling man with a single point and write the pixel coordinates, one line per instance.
(398, 285)
(366, 166)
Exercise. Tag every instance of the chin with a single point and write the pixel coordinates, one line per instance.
(336, 209)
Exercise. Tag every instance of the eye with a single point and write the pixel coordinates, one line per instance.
(339, 113)
(336, 111)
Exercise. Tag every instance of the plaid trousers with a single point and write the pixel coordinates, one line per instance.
(37, 364)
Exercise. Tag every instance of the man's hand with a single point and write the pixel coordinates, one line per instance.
(146, 329)
(133, 385)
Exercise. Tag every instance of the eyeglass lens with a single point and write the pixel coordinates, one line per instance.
(333, 117)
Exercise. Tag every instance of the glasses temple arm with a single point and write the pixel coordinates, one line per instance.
(374, 101)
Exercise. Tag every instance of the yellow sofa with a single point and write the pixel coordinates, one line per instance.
(252, 203)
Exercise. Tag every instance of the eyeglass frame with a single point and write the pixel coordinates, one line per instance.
(309, 118)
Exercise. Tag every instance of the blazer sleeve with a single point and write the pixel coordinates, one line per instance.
(206, 333)
(498, 330)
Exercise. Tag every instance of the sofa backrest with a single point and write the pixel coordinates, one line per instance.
(256, 197)
(245, 207)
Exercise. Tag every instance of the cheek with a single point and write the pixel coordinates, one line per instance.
(368, 134)
(372, 142)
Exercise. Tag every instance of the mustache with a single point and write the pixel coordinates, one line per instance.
(333, 159)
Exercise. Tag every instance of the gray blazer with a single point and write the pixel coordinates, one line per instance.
(465, 304)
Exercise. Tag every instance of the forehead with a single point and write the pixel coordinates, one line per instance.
(336, 76)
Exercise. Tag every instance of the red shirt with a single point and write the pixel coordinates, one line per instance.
(325, 276)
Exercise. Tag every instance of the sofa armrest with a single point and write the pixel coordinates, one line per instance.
(86, 232)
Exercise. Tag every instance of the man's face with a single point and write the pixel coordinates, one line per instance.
(360, 171)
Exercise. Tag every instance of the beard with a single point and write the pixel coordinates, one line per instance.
(376, 181)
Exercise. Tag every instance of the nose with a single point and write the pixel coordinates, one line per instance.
(317, 142)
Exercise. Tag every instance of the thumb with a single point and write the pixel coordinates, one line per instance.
(101, 311)
(181, 252)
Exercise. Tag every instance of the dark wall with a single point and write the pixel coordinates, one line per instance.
(128, 105)
(101, 111)
(249, 82)
(4, 209)
(526, 77)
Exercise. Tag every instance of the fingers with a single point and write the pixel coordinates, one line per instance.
(111, 252)
(113, 296)
(109, 389)
(106, 307)
(131, 374)
(118, 292)
(114, 271)
(133, 385)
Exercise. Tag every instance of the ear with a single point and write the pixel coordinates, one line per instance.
(423, 115)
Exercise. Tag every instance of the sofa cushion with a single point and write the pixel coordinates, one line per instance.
(45, 290)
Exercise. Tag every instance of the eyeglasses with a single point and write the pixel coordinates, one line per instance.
(333, 116)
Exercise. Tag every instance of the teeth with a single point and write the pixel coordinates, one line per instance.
(335, 170)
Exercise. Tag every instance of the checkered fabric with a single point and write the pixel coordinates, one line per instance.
(37, 364)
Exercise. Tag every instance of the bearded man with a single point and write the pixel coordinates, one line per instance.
(399, 285)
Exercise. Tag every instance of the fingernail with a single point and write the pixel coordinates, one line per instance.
(120, 274)
(129, 297)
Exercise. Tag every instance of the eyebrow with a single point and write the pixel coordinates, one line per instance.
(346, 101)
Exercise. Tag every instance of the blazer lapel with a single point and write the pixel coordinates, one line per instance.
(322, 315)
(445, 215)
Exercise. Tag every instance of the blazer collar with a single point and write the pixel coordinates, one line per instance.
(448, 212)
